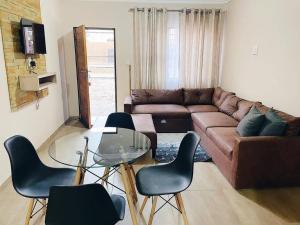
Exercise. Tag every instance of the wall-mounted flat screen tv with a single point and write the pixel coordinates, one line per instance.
(32, 37)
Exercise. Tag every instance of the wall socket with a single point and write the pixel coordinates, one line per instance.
(31, 64)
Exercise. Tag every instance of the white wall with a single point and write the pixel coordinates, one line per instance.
(104, 15)
(37, 125)
(273, 76)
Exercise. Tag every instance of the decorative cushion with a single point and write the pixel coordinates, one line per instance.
(274, 125)
(155, 96)
(198, 96)
(251, 124)
(230, 105)
(244, 107)
(219, 96)
(293, 128)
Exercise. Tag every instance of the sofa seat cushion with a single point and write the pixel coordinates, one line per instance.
(202, 108)
(162, 110)
(213, 119)
(224, 138)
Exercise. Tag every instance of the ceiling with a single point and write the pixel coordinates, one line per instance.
(166, 1)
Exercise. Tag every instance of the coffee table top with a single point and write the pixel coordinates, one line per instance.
(107, 147)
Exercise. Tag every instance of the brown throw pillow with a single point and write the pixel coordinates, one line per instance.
(230, 105)
(219, 96)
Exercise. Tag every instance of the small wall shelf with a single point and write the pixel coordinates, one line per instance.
(36, 82)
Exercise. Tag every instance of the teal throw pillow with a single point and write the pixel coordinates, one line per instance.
(251, 124)
(274, 125)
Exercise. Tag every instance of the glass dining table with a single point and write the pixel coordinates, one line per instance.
(108, 147)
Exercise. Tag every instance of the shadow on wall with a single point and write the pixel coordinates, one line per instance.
(284, 203)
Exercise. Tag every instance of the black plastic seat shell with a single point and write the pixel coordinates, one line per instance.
(173, 177)
(85, 204)
(121, 120)
(31, 178)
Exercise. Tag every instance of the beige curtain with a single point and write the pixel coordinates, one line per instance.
(201, 36)
(149, 48)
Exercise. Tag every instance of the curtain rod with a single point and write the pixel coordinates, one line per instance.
(175, 10)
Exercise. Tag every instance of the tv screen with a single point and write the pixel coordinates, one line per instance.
(32, 37)
(39, 38)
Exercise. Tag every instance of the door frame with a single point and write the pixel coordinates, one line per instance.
(115, 59)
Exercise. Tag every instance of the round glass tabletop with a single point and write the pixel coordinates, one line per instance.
(102, 147)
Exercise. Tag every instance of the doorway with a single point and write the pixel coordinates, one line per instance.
(101, 61)
(95, 51)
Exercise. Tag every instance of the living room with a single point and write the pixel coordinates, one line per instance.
(223, 73)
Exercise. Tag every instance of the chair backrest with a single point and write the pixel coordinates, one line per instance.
(184, 162)
(121, 120)
(23, 159)
(80, 205)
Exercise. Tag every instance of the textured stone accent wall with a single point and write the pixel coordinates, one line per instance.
(11, 12)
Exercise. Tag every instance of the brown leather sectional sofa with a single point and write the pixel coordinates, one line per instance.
(214, 114)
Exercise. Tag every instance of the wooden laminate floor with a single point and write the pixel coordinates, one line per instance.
(210, 200)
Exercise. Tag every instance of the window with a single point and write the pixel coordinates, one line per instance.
(172, 54)
(110, 56)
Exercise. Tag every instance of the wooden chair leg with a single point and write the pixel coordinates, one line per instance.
(131, 183)
(177, 203)
(128, 195)
(44, 201)
(29, 211)
(184, 216)
(152, 210)
(105, 176)
(143, 205)
(78, 176)
(132, 172)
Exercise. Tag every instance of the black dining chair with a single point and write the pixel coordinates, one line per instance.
(120, 120)
(30, 177)
(84, 205)
(169, 179)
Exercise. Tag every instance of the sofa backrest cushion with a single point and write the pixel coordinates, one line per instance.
(198, 96)
(230, 105)
(155, 96)
(219, 96)
(293, 128)
(243, 107)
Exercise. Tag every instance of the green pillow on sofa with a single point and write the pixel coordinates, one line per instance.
(251, 124)
(273, 125)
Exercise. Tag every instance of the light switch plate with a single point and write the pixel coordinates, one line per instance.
(254, 50)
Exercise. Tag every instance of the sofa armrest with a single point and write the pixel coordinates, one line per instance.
(128, 105)
(264, 161)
